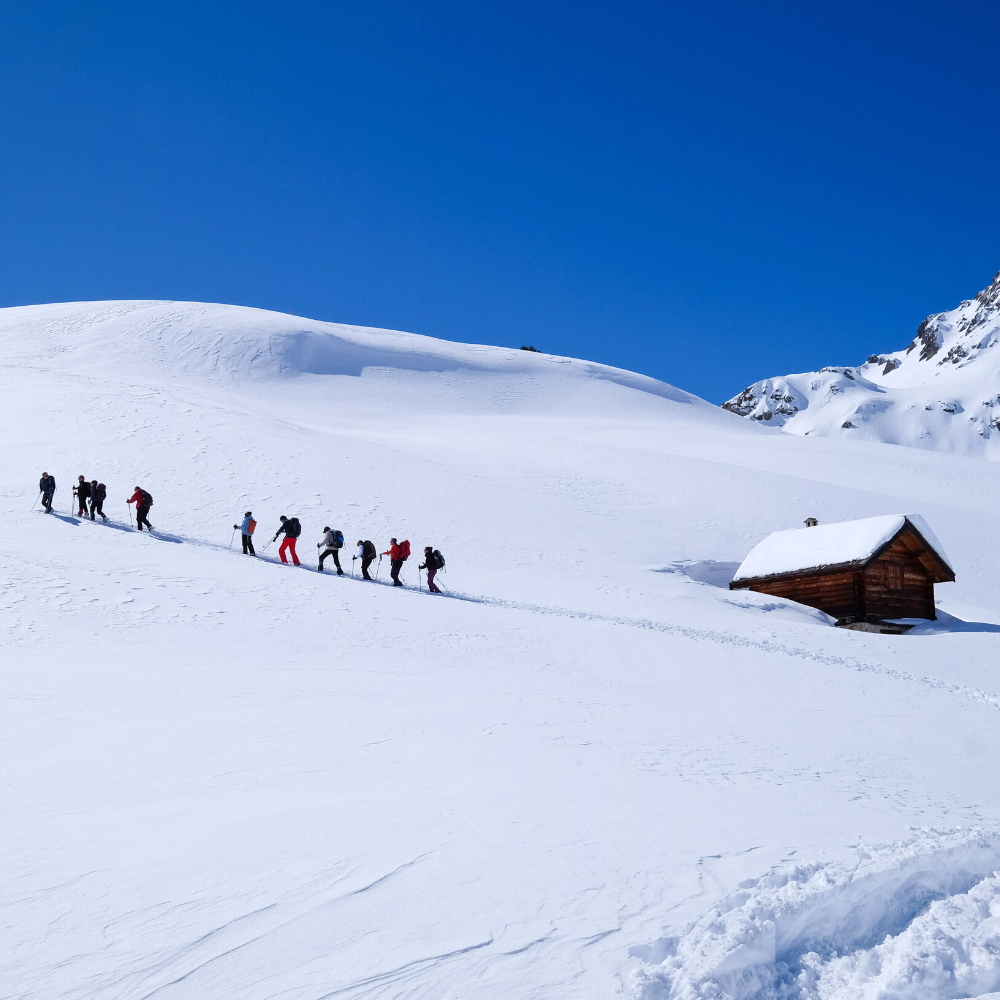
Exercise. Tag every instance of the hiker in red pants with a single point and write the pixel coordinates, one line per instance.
(292, 529)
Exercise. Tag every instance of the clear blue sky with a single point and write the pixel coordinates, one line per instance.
(706, 192)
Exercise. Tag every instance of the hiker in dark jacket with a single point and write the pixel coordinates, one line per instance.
(432, 559)
(98, 494)
(143, 502)
(291, 529)
(47, 486)
(328, 546)
(82, 493)
(246, 531)
(366, 553)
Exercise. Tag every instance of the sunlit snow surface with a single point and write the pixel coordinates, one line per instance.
(223, 777)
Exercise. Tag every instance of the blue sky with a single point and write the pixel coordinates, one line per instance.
(709, 193)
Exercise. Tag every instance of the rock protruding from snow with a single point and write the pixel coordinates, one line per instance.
(941, 392)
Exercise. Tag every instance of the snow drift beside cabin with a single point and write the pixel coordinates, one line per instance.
(801, 550)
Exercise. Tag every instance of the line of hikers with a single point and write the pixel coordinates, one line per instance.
(90, 496)
(94, 493)
(333, 541)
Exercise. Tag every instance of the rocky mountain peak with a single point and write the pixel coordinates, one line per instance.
(942, 391)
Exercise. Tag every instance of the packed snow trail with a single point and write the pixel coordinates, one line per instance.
(224, 779)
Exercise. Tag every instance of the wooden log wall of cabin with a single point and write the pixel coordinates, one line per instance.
(915, 598)
(833, 593)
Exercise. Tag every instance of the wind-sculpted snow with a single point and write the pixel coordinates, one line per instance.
(917, 920)
(941, 392)
(238, 344)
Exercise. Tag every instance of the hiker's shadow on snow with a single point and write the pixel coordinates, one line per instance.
(159, 536)
(117, 526)
(68, 518)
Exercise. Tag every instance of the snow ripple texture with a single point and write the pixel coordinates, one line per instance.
(918, 920)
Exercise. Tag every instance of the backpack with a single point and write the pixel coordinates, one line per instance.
(338, 539)
(368, 550)
(404, 550)
(101, 493)
(292, 528)
(251, 526)
(147, 500)
(438, 559)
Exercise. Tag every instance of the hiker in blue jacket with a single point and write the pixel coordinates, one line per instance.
(246, 532)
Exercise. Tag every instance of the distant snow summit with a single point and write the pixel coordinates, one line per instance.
(941, 393)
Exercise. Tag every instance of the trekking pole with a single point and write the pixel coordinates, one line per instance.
(36, 501)
(378, 567)
(231, 540)
(420, 579)
(353, 560)
(130, 514)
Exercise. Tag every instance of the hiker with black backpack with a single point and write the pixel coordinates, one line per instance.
(367, 554)
(82, 494)
(433, 561)
(98, 494)
(143, 502)
(398, 554)
(246, 529)
(330, 545)
(291, 529)
(47, 487)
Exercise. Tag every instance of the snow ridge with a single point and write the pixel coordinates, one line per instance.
(942, 392)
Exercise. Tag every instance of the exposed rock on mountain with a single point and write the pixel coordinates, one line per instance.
(942, 392)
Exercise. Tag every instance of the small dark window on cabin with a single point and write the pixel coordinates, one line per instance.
(893, 576)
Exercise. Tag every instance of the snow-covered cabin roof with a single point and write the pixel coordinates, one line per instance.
(845, 545)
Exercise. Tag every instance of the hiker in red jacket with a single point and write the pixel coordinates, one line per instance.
(398, 554)
(143, 502)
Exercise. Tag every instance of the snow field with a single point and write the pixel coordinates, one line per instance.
(226, 777)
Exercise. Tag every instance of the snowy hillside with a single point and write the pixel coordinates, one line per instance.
(941, 392)
(589, 769)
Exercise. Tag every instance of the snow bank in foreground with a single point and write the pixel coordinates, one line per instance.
(918, 920)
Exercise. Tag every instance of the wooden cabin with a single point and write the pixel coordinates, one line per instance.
(864, 573)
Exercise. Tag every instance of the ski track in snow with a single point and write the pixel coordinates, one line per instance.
(694, 634)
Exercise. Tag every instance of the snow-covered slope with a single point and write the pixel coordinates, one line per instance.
(224, 777)
(942, 392)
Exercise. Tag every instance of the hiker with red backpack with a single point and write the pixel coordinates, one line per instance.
(398, 554)
(143, 502)
(246, 530)
(291, 529)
